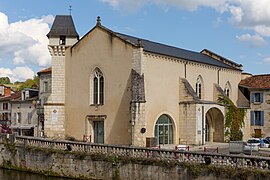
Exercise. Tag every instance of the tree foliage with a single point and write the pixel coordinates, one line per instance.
(234, 118)
(29, 83)
(4, 80)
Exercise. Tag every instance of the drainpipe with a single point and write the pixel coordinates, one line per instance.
(203, 129)
(218, 76)
(185, 69)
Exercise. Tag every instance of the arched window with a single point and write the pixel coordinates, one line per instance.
(97, 88)
(199, 86)
(227, 89)
(164, 130)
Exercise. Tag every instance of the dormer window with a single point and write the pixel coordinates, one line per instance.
(62, 40)
(25, 95)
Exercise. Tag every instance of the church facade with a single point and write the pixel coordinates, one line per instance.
(112, 88)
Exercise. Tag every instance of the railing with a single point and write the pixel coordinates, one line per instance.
(216, 159)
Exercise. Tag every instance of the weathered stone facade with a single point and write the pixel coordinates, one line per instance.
(150, 91)
(61, 37)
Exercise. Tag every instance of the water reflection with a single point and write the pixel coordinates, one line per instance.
(18, 175)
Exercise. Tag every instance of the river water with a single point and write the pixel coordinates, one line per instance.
(18, 175)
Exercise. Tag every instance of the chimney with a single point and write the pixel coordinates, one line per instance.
(7, 91)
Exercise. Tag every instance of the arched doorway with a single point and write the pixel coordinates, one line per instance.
(164, 130)
(214, 125)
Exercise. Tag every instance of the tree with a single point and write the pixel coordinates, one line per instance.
(4, 80)
(29, 83)
(234, 118)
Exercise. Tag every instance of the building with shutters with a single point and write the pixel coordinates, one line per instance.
(256, 89)
(108, 87)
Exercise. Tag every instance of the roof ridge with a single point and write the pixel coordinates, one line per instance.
(171, 46)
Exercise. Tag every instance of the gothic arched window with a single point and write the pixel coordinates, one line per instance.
(199, 87)
(227, 89)
(97, 87)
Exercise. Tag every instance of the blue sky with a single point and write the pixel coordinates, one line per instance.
(236, 29)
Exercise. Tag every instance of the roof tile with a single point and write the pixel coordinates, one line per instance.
(257, 82)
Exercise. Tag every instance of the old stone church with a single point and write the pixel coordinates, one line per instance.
(113, 88)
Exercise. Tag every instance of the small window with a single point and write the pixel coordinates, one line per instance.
(199, 87)
(45, 100)
(19, 117)
(257, 118)
(29, 118)
(62, 40)
(5, 106)
(5, 116)
(15, 118)
(45, 86)
(227, 89)
(257, 98)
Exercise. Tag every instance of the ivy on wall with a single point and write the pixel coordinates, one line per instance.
(234, 118)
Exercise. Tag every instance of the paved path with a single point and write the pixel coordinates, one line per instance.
(223, 148)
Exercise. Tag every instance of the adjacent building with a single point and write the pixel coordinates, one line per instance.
(113, 88)
(45, 86)
(24, 113)
(6, 95)
(256, 89)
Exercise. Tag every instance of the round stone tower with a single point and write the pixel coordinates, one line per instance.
(61, 36)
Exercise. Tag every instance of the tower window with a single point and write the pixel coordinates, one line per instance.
(62, 40)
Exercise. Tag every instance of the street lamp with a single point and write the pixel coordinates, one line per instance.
(40, 113)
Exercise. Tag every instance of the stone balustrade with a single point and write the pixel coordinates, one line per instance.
(153, 153)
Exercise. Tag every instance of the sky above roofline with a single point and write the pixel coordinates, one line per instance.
(238, 30)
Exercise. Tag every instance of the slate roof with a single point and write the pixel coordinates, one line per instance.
(63, 25)
(162, 49)
(256, 82)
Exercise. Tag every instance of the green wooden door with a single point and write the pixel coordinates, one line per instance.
(99, 132)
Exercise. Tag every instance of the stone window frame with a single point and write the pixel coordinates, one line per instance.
(228, 89)
(199, 87)
(45, 86)
(171, 130)
(97, 87)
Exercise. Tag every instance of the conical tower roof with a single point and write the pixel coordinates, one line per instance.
(63, 26)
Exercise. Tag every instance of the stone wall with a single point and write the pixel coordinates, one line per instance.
(93, 161)
(100, 166)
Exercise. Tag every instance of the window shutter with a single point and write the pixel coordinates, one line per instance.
(262, 118)
(252, 118)
(252, 97)
(261, 97)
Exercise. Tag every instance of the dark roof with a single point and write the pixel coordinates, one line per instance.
(47, 70)
(162, 49)
(63, 26)
(14, 95)
(256, 82)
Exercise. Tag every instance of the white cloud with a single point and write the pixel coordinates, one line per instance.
(252, 40)
(25, 41)
(132, 5)
(266, 60)
(17, 74)
(247, 14)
